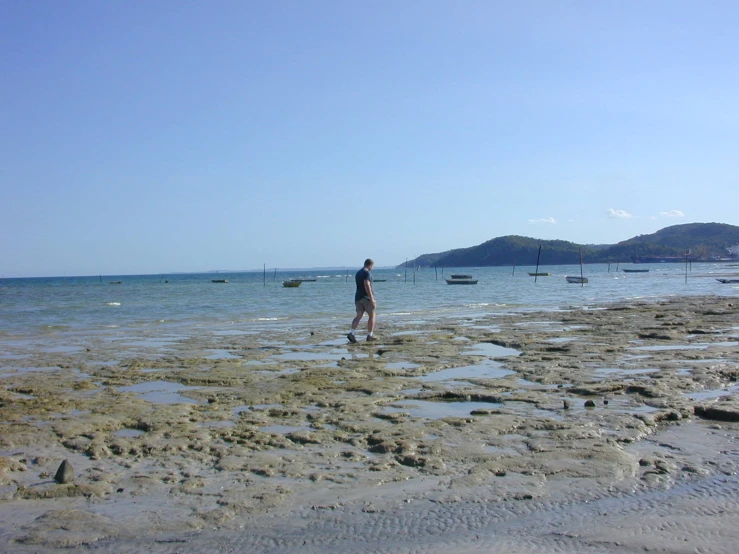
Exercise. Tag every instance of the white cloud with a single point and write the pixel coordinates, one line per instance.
(543, 221)
(672, 213)
(619, 214)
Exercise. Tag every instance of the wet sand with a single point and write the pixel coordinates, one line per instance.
(609, 429)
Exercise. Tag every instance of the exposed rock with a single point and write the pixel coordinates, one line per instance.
(65, 473)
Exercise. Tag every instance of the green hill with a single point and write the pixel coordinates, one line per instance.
(704, 241)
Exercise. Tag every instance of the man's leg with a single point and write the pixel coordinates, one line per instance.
(371, 323)
(356, 320)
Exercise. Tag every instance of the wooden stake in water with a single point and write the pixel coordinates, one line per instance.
(582, 280)
(406, 270)
(265, 275)
(686, 267)
(274, 278)
(536, 274)
(435, 273)
(514, 269)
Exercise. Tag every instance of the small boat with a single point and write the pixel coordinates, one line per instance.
(458, 279)
(379, 280)
(539, 274)
(114, 282)
(219, 280)
(636, 270)
(305, 280)
(728, 281)
(292, 283)
(575, 279)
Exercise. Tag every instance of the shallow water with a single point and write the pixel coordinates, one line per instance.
(486, 370)
(160, 392)
(429, 409)
(251, 301)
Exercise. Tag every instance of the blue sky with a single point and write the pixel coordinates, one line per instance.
(156, 137)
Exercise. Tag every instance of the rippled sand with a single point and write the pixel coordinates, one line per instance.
(611, 429)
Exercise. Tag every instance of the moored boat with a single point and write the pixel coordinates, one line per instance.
(459, 279)
(636, 270)
(728, 281)
(292, 283)
(539, 274)
(219, 280)
(576, 279)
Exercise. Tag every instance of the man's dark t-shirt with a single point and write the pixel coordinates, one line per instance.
(361, 276)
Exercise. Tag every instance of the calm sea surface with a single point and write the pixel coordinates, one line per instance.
(250, 301)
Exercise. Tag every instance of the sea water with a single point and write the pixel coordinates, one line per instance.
(252, 301)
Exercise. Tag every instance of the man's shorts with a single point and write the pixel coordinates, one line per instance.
(365, 304)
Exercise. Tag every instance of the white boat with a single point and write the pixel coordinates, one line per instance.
(576, 279)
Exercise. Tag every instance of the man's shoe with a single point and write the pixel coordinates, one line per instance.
(372, 338)
(351, 337)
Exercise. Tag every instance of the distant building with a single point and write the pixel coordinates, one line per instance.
(734, 251)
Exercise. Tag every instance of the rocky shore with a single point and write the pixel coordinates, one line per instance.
(292, 439)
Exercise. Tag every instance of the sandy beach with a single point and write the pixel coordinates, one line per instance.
(608, 429)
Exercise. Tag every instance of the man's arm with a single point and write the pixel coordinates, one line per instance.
(368, 289)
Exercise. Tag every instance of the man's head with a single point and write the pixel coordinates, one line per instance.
(368, 263)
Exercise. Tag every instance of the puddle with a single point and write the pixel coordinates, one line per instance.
(712, 394)
(635, 357)
(621, 371)
(161, 392)
(403, 333)
(22, 395)
(256, 408)
(489, 370)
(696, 346)
(280, 372)
(704, 361)
(527, 383)
(429, 409)
(309, 356)
(217, 424)
(560, 340)
(61, 349)
(283, 429)
(220, 354)
(491, 350)
(7, 372)
(231, 332)
(128, 433)
(402, 365)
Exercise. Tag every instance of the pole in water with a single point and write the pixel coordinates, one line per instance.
(435, 273)
(536, 273)
(347, 276)
(101, 279)
(582, 280)
(414, 274)
(275, 276)
(406, 270)
(265, 275)
(686, 267)
(514, 270)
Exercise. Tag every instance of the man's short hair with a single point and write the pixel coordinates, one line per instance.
(368, 262)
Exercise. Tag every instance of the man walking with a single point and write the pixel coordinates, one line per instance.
(364, 301)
